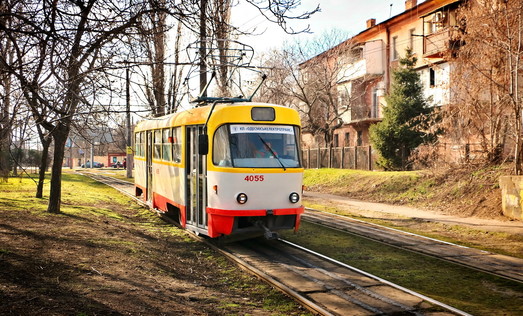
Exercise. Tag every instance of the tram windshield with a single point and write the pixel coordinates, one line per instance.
(256, 146)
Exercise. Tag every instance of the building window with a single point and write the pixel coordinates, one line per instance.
(360, 140)
(336, 141)
(356, 53)
(439, 21)
(347, 140)
(395, 48)
(432, 77)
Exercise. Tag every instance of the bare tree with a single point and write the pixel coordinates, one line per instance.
(176, 76)
(277, 88)
(59, 50)
(487, 99)
(6, 118)
(310, 82)
(162, 76)
(221, 29)
(12, 59)
(215, 16)
(151, 43)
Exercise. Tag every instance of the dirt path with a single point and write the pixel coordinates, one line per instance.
(381, 210)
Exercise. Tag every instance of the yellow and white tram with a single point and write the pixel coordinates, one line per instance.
(232, 168)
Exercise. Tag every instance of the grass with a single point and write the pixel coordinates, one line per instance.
(422, 187)
(464, 193)
(393, 186)
(79, 195)
(470, 290)
(496, 242)
(84, 199)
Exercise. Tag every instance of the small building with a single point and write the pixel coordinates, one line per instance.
(106, 148)
(115, 157)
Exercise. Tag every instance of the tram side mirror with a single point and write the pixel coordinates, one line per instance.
(203, 144)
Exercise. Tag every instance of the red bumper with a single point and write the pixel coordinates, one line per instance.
(221, 221)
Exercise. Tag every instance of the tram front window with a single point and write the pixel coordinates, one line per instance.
(256, 146)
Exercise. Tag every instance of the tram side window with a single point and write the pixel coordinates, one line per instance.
(177, 144)
(137, 144)
(167, 151)
(221, 148)
(142, 144)
(157, 154)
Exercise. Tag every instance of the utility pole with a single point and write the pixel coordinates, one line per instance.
(203, 50)
(129, 160)
(128, 149)
(92, 155)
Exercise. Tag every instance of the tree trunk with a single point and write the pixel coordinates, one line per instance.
(5, 140)
(518, 153)
(43, 167)
(5, 103)
(55, 196)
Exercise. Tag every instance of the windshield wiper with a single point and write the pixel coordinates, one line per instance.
(272, 152)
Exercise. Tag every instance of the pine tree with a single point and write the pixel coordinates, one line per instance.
(398, 134)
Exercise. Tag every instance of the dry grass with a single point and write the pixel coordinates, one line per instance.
(452, 191)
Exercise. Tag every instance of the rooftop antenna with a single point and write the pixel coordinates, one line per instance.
(390, 10)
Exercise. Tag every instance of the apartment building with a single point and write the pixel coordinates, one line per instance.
(368, 58)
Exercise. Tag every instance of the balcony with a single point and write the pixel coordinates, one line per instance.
(440, 42)
(359, 101)
(371, 62)
(358, 113)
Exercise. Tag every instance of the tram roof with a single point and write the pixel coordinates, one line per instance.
(198, 115)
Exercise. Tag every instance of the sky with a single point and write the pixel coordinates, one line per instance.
(346, 15)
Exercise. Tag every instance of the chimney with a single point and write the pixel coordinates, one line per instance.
(409, 4)
(371, 23)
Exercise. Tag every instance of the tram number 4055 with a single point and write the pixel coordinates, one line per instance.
(254, 178)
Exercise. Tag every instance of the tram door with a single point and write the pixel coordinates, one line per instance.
(196, 184)
(149, 167)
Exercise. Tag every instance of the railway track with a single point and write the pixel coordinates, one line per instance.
(326, 286)
(123, 186)
(503, 266)
(323, 285)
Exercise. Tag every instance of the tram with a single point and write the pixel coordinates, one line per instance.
(230, 168)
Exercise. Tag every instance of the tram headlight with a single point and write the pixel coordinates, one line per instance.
(294, 197)
(241, 198)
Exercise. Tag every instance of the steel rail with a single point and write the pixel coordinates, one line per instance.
(387, 228)
(311, 306)
(307, 217)
(399, 287)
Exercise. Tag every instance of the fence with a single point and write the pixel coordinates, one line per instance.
(359, 157)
